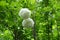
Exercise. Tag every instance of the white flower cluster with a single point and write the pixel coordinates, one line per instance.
(38, 1)
(28, 22)
(25, 14)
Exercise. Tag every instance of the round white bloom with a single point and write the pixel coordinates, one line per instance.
(39, 1)
(28, 22)
(25, 13)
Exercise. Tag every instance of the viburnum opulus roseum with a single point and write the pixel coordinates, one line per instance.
(28, 22)
(25, 13)
(38, 1)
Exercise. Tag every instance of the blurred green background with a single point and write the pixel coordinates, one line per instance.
(45, 14)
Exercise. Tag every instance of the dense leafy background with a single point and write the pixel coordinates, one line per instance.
(45, 13)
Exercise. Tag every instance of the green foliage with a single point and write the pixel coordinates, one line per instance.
(6, 35)
(45, 14)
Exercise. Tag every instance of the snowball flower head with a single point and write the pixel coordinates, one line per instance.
(39, 1)
(28, 22)
(25, 13)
